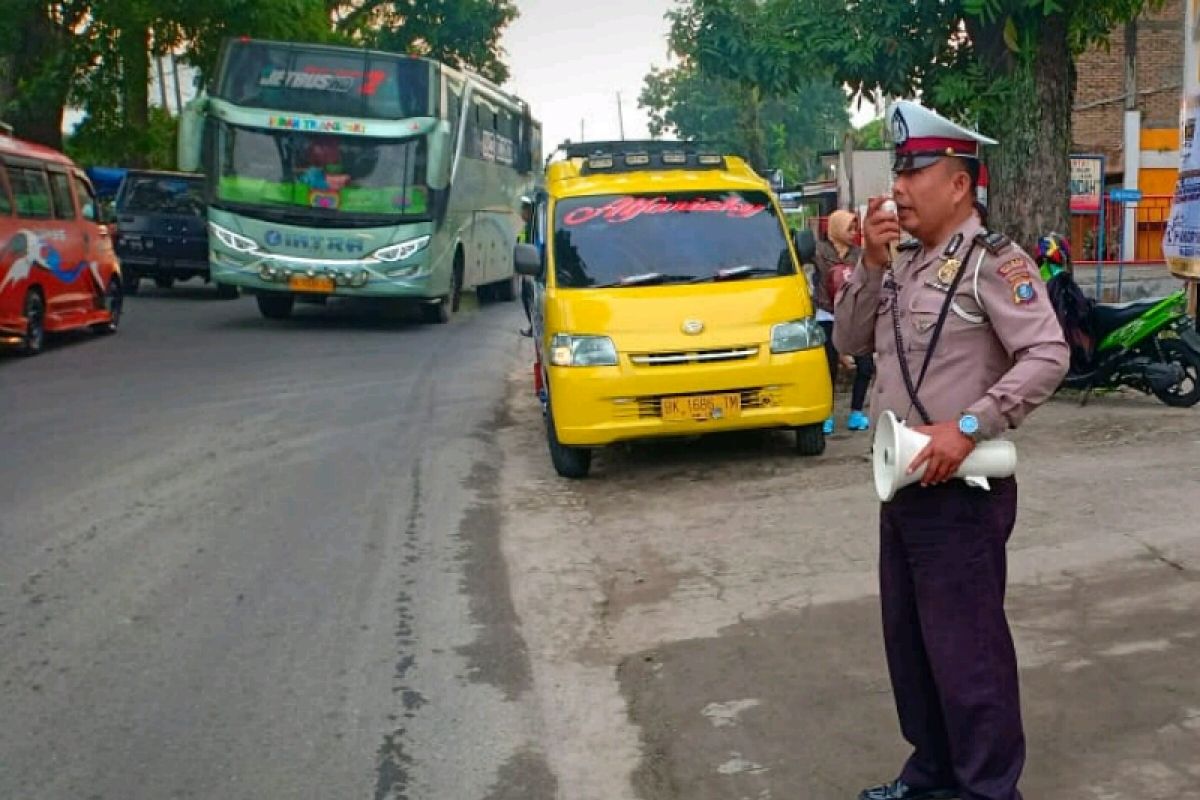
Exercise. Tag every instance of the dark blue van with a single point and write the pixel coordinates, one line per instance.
(162, 233)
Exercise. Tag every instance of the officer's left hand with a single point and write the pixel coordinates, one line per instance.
(948, 447)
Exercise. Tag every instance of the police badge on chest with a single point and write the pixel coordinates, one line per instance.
(949, 269)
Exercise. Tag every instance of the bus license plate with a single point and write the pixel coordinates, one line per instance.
(303, 283)
(701, 407)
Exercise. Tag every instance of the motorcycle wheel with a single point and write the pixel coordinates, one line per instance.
(1186, 393)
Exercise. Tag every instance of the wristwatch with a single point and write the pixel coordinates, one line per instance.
(968, 425)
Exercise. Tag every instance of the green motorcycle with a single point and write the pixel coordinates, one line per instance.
(1151, 346)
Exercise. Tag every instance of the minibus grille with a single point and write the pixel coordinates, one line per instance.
(686, 357)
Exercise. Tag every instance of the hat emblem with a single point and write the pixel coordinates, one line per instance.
(899, 129)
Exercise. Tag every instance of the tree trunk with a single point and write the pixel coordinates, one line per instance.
(135, 88)
(751, 125)
(6, 84)
(39, 78)
(1029, 171)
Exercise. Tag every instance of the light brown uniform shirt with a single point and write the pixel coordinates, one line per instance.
(1001, 352)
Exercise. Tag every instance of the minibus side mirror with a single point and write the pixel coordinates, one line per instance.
(806, 245)
(527, 260)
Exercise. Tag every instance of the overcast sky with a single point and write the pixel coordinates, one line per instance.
(569, 58)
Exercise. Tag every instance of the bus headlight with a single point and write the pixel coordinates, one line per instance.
(799, 334)
(582, 351)
(234, 241)
(401, 251)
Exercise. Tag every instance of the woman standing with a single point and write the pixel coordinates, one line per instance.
(835, 260)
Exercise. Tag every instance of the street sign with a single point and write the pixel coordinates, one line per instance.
(1125, 195)
(1087, 184)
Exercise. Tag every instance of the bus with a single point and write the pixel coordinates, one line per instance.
(341, 171)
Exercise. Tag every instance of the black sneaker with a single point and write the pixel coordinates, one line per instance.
(899, 790)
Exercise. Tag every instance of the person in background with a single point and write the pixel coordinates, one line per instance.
(524, 236)
(835, 259)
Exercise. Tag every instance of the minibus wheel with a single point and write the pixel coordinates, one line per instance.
(34, 312)
(810, 440)
(569, 462)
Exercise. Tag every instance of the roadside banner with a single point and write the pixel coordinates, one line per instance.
(1181, 240)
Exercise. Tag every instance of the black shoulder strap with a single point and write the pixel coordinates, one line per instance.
(994, 243)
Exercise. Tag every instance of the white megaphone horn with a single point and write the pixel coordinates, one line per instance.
(896, 445)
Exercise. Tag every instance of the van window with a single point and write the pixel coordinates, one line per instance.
(87, 200)
(30, 191)
(158, 194)
(60, 189)
(672, 237)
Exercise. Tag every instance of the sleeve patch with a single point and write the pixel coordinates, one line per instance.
(1024, 293)
(1014, 269)
(1020, 280)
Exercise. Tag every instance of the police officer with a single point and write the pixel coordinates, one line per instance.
(967, 345)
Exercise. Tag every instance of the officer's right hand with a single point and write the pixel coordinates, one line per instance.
(880, 229)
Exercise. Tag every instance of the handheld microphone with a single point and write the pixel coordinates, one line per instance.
(889, 206)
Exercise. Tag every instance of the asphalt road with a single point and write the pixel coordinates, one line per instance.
(252, 559)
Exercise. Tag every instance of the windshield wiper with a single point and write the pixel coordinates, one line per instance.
(734, 273)
(647, 279)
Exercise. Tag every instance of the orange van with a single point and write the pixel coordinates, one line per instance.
(58, 270)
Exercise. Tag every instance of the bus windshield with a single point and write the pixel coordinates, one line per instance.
(321, 177)
(331, 82)
(673, 237)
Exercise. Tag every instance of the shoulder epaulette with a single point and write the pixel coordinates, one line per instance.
(994, 243)
(911, 244)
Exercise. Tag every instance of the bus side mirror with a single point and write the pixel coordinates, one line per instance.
(527, 260)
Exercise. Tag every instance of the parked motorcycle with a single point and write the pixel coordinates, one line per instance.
(1151, 346)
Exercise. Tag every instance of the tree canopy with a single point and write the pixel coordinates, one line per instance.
(97, 55)
(734, 85)
(794, 127)
(1006, 67)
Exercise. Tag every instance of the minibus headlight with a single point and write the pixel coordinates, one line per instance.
(582, 351)
(234, 241)
(402, 250)
(799, 334)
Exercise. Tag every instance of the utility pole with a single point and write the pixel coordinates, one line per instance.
(620, 117)
(582, 135)
(1133, 141)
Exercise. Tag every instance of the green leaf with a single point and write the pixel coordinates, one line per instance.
(1011, 36)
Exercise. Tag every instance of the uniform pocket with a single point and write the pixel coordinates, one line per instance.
(923, 313)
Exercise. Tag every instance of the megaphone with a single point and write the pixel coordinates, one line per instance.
(896, 445)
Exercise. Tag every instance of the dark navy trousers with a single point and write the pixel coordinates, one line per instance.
(950, 655)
